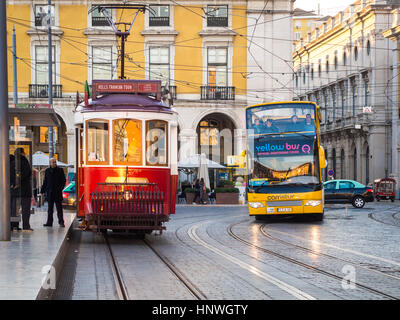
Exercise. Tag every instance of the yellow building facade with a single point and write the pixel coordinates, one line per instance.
(304, 22)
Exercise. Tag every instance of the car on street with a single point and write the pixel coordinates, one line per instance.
(69, 196)
(347, 191)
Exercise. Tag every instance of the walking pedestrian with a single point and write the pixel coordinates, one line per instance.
(196, 191)
(53, 185)
(14, 194)
(202, 191)
(23, 174)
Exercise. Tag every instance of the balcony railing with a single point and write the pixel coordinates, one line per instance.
(158, 21)
(42, 91)
(217, 21)
(172, 90)
(100, 22)
(217, 93)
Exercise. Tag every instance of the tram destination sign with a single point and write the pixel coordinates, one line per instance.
(126, 86)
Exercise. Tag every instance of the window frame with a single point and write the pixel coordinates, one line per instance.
(160, 64)
(209, 18)
(217, 64)
(46, 63)
(53, 18)
(159, 15)
(141, 144)
(166, 143)
(93, 63)
(87, 144)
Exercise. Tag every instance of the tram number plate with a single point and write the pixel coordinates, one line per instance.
(284, 209)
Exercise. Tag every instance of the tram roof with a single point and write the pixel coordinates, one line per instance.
(123, 102)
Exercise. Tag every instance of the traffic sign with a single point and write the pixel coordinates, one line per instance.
(331, 173)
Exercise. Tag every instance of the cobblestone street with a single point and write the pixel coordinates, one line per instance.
(219, 252)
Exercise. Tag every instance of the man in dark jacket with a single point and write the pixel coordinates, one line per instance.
(53, 185)
(23, 178)
(14, 194)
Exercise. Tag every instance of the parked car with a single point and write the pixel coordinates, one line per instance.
(347, 191)
(69, 196)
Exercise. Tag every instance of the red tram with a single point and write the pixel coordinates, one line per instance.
(126, 157)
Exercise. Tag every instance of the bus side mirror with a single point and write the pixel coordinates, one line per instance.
(322, 161)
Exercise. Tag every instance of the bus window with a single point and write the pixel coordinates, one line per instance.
(97, 141)
(281, 118)
(156, 143)
(127, 141)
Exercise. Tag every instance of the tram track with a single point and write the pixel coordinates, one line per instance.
(122, 289)
(302, 264)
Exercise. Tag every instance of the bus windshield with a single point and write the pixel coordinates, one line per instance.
(281, 118)
(282, 144)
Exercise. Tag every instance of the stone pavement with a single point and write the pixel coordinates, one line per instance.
(23, 258)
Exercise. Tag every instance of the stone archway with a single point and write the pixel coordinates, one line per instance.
(215, 137)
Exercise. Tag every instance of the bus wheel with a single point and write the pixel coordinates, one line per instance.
(358, 202)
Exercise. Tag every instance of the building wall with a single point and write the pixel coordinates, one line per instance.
(263, 77)
(345, 126)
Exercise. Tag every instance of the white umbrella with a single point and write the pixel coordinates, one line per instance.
(194, 162)
(203, 171)
(40, 159)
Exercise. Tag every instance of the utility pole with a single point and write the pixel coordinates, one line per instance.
(14, 52)
(5, 200)
(51, 136)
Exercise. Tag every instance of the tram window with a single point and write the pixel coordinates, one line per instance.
(97, 142)
(156, 143)
(127, 141)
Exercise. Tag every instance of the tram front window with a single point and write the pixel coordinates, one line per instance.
(127, 141)
(97, 141)
(156, 143)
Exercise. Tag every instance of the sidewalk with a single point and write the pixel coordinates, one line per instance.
(23, 258)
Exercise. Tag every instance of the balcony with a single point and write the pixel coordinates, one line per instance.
(217, 93)
(42, 91)
(100, 22)
(158, 21)
(172, 90)
(217, 21)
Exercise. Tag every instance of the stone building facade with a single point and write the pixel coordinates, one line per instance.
(345, 66)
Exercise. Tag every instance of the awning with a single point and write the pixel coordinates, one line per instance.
(38, 117)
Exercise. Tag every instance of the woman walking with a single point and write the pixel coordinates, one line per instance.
(196, 191)
(202, 191)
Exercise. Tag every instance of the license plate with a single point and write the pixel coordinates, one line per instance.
(270, 210)
(284, 209)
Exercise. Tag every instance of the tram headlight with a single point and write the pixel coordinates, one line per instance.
(256, 205)
(313, 203)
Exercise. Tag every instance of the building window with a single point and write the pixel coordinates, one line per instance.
(217, 66)
(159, 16)
(312, 73)
(209, 133)
(304, 77)
(97, 141)
(296, 79)
(344, 58)
(297, 35)
(327, 66)
(319, 70)
(368, 47)
(41, 19)
(127, 141)
(44, 134)
(99, 19)
(325, 94)
(366, 89)
(333, 95)
(42, 65)
(343, 96)
(157, 143)
(355, 53)
(217, 16)
(342, 164)
(367, 166)
(334, 161)
(102, 63)
(335, 62)
(159, 68)
(354, 93)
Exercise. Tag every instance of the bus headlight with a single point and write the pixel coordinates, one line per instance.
(313, 203)
(256, 205)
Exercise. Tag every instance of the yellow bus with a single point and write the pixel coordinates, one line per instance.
(284, 159)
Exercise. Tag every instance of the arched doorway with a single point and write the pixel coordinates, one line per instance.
(215, 138)
(334, 162)
(367, 165)
(342, 171)
(355, 164)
